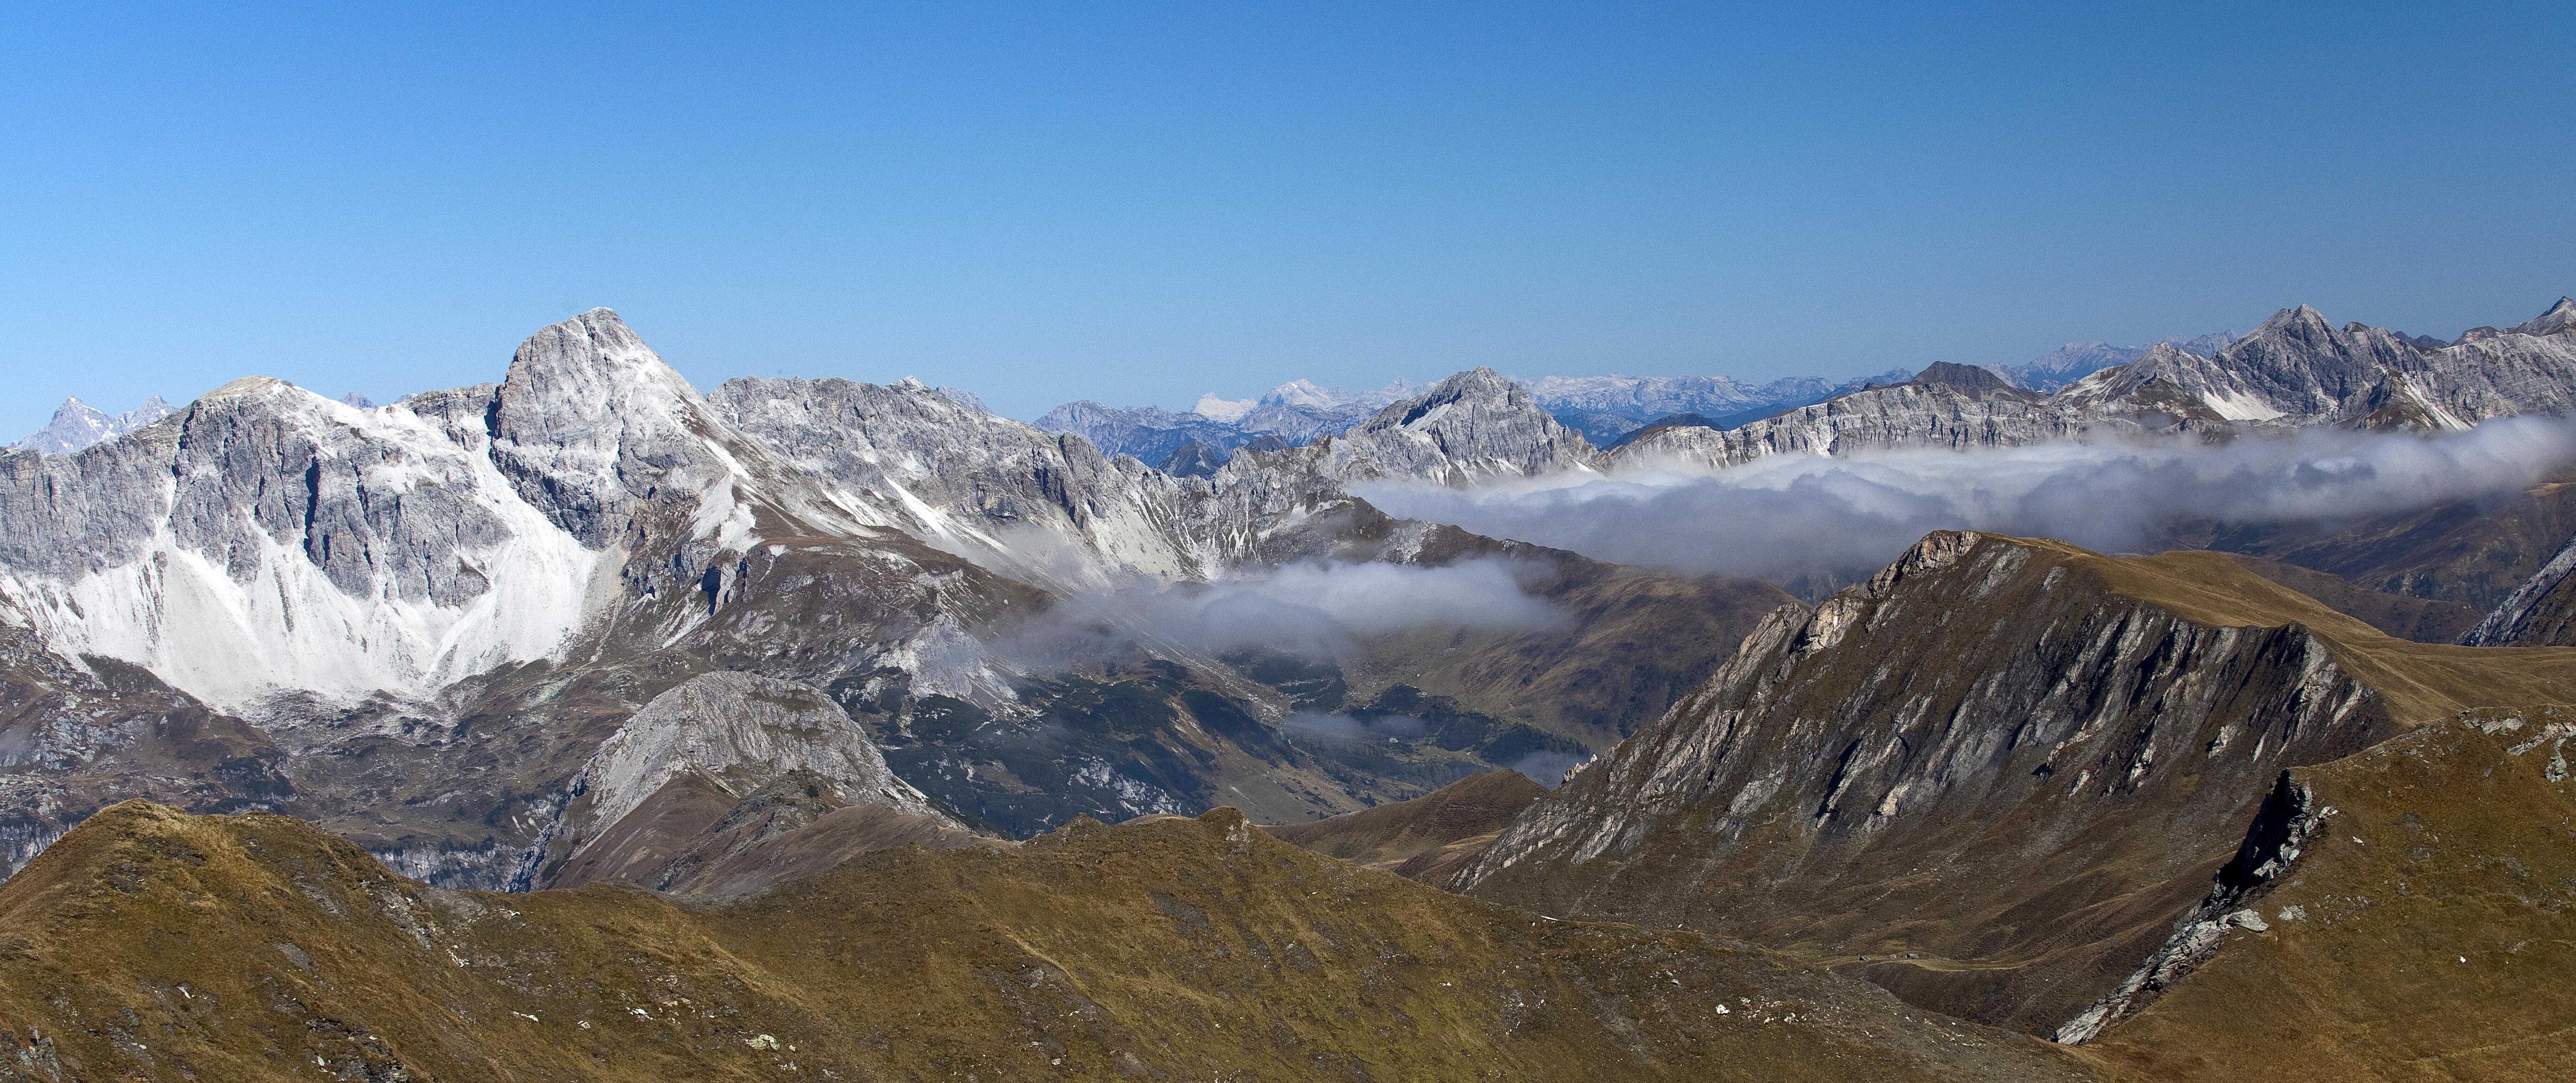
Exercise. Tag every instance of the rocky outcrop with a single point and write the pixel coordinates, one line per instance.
(2014, 759)
(727, 735)
(2077, 360)
(1912, 414)
(2282, 825)
(2406, 909)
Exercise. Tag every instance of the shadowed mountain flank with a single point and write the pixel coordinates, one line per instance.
(1990, 777)
(2424, 620)
(1428, 838)
(157, 945)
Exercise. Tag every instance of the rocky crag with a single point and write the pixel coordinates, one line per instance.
(1990, 777)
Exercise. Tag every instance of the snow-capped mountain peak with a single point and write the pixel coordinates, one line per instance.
(1221, 409)
(1305, 393)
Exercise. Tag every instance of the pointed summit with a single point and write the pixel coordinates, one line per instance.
(590, 418)
(2559, 320)
(2304, 318)
(77, 425)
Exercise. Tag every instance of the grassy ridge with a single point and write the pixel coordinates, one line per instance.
(152, 944)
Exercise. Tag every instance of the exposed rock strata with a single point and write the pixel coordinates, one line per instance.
(2014, 759)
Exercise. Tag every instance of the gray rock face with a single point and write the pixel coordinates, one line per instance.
(1294, 413)
(918, 461)
(1912, 414)
(1839, 777)
(1472, 427)
(734, 732)
(1149, 433)
(1606, 408)
(267, 537)
(77, 425)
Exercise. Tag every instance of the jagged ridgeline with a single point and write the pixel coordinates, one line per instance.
(2021, 783)
(476, 630)
(807, 695)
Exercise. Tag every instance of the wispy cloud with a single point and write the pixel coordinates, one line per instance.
(1315, 609)
(1796, 515)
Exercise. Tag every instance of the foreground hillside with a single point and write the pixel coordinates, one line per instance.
(152, 944)
(2412, 923)
(1994, 776)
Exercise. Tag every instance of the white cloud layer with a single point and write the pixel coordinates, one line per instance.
(1794, 515)
(1314, 609)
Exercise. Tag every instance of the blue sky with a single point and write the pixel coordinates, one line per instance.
(1140, 202)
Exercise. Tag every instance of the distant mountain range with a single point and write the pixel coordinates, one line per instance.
(1605, 409)
(874, 663)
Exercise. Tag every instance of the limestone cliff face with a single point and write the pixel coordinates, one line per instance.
(733, 733)
(1473, 427)
(2015, 760)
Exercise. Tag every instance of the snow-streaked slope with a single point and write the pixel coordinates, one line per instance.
(289, 542)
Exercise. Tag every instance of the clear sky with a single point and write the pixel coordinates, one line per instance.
(1139, 202)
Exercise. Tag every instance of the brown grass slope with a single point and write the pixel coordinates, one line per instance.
(693, 837)
(2423, 932)
(154, 945)
(1428, 838)
(1993, 776)
(2424, 620)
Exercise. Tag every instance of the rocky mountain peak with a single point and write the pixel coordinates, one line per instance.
(1966, 379)
(590, 419)
(76, 425)
(594, 351)
(1474, 425)
(2559, 320)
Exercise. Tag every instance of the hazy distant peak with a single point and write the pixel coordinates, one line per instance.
(77, 425)
(1210, 406)
(1305, 393)
(965, 398)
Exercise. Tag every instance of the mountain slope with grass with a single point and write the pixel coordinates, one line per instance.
(151, 944)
